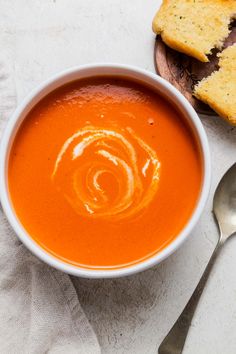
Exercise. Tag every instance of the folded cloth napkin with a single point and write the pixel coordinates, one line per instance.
(39, 308)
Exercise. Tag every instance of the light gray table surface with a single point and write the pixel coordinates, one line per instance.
(131, 315)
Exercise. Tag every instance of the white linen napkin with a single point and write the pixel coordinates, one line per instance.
(39, 308)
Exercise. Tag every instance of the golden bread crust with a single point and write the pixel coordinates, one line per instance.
(219, 89)
(194, 27)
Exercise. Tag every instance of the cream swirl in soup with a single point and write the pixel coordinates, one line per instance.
(104, 173)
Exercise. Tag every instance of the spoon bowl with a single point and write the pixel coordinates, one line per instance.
(224, 203)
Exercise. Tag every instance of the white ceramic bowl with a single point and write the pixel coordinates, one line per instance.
(153, 81)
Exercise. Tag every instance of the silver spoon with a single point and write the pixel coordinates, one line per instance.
(224, 208)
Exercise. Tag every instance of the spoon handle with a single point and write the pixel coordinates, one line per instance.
(174, 341)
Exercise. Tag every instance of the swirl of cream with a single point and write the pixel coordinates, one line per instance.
(93, 155)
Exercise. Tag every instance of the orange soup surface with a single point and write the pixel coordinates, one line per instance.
(104, 172)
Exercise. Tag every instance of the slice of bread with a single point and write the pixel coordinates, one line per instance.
(219, 89)
(194, 27)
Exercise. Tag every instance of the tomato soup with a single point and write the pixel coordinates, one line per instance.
(104, 172)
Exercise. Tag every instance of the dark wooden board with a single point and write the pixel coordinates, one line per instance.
(184, 72)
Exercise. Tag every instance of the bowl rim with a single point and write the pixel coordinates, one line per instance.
(5, 145)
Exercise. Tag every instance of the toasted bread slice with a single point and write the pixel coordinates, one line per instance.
(219, 89)
(194, 27)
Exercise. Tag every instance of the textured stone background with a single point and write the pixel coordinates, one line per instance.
(130, 315)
